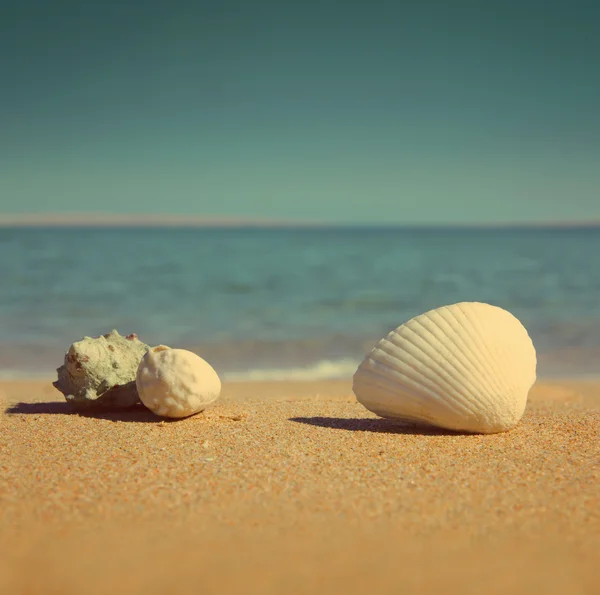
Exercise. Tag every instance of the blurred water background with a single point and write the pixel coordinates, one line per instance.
(289, 303)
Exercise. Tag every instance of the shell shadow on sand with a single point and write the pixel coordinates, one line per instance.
(136, 413)
(376, 425)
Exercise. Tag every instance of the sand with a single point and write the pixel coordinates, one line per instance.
(295, 488)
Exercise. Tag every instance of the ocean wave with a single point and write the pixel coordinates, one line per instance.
(322, 370)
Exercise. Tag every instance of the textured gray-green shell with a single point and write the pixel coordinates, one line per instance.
(99, 372)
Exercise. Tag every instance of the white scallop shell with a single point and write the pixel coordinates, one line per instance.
(176, 382)
(466, 367)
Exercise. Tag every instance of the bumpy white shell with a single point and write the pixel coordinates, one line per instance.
(176, 382)
(466, 367)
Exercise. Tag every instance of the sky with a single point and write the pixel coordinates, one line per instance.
(417, 112)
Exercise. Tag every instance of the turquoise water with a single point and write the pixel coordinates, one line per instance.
(267, 303)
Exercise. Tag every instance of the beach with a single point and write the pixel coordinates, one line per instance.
(251, 205)
(293, 487)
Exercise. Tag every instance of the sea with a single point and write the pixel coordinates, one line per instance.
(289, 303)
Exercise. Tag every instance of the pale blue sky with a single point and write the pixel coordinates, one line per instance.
(373, 112)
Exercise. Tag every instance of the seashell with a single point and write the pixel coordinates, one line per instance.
(176, 382)
(99, 372)
(466, 367)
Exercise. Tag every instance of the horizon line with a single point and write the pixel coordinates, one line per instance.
(153, 220)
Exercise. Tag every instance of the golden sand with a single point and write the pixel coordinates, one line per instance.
(290, 487)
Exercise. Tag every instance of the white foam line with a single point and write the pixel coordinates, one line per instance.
(323, 370)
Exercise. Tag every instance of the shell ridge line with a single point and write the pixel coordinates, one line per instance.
(452, 385)
(487, 381)
(418, 377)
(504, 387)
(382, 409)
(512, 358)
(497, 385)
(375, 376)
(447, 385)
(443, 383)
(382, 390)
(452, 369)
(484, 362)
(383, 377)
(448, 329)
(437, 389)
(508, 361)
(492, 379)
(386, 387)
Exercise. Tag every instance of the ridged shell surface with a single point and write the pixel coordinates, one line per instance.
(465, 367)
